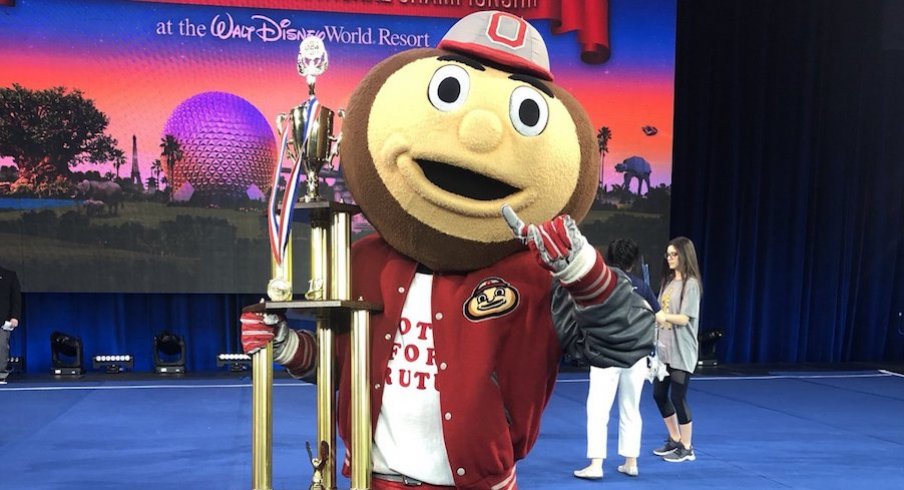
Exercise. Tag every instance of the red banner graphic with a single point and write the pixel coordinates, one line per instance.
(590, 18)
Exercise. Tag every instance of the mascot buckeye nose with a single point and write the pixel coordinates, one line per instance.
(473, 167)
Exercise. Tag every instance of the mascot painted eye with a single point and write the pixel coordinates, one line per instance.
(528, 111)
(449, 88)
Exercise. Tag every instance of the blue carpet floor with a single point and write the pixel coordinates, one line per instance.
(784, 430)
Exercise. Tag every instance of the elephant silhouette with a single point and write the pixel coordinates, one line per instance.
(635, 168)
(109, 193)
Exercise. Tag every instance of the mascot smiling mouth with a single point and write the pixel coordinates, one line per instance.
(464, 182)
(491, 304)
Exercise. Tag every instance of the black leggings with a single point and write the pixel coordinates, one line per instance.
(677, 380)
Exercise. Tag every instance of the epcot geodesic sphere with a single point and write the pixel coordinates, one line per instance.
(228, 149)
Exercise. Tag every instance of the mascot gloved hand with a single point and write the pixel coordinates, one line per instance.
(559, 247)
(294, 349)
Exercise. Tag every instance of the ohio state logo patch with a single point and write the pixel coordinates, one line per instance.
(507, 29)
(492, 298)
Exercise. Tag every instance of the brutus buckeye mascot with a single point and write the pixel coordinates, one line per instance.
(472, 165)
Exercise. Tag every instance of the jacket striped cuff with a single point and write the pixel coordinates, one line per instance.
(303, 361)
(594, 286)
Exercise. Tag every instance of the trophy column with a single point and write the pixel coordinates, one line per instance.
(331, 305)
(307, 142)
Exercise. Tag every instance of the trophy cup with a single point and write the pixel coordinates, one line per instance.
(308, 144)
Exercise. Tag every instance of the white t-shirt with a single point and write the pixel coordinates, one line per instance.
(409, 436)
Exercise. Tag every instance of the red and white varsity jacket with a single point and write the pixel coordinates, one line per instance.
(499, 334)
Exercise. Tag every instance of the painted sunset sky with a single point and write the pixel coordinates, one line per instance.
(119, 54)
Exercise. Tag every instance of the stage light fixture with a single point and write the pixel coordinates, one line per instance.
(65, 354)
(236, 362)
(169, 353)
(115, 363)
(708, 341)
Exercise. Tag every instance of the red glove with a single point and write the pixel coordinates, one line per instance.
(556, 243)
(559, 247)
(296, 350)
(258, 329)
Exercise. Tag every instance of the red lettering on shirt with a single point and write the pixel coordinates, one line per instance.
(405, 326)
(404, 378)
(422, 380)
(411, 353)
(424, 327)
(407, 365)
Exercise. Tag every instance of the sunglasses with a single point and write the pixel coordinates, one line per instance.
(670, 254)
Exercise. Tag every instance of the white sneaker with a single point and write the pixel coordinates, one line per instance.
(628, 470)
(589, 473)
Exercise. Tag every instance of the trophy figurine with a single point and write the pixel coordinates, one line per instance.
(307, 145)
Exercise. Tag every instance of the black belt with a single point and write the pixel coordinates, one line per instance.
(407, 481)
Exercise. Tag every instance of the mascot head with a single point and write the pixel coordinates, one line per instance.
(435, 141)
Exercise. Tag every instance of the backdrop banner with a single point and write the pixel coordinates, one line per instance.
(137, 138)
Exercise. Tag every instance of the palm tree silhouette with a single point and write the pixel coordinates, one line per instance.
(171, 151)
(602, 139)
(156, 170)
(118, 161)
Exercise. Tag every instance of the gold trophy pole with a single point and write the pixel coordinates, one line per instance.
(262, 395)
(341, 288)
(361, 421)
(321, 288)
(262, 418)
(307, 139)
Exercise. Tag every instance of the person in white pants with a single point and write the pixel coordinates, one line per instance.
(628, 382)
(604, 382)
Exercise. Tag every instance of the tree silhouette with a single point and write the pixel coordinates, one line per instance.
(171, 151)
(156, 169)
(119, 159)
(602, 139)
(46, 132)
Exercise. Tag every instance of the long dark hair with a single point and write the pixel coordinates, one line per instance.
(687, 265)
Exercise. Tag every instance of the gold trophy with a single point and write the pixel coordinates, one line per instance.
(309, 145)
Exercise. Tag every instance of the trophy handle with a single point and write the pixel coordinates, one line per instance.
(281, 119)
(335, 141)
(334, 150)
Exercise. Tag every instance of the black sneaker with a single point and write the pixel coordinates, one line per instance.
(680, 454)
(669, 447)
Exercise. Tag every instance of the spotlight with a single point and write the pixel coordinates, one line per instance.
(708, 341)
(114, 364)
(65, 354)
(236, 362)
(169, 353)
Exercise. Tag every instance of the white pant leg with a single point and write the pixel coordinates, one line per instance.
(630, 424)
(603, 383)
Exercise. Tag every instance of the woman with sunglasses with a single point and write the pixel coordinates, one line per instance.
(677, 321)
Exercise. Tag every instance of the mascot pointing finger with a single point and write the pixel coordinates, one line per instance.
(473, 166)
